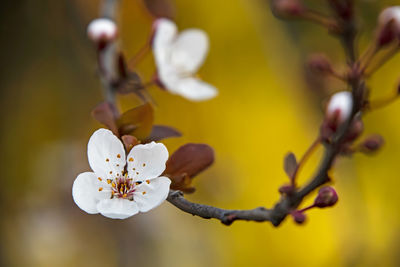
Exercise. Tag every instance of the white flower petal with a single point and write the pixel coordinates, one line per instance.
(342, 102)
(151, 193)
(195, 89)
(189, 50)
(102, 29)
(164, 35)
(106, 154)
(117, 208)
(85, 192)
(388, 14)
(147, 161)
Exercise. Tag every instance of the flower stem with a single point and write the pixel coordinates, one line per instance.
(304, 158)
(139, 55)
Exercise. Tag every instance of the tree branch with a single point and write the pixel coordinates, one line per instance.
(227, 217)
(108, 56)
(289, 202)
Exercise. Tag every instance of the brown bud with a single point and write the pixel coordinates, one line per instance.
(372, 143)
(287, 8)
(320, 63)
(327, 197)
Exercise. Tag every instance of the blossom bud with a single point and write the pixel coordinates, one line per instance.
(339, 109)
(102, 30)
(298, 216)
(327, 197)
(287, 189)
(372, 143)
(287, 8)
(389, 25)
(355, 130)
(320, 63)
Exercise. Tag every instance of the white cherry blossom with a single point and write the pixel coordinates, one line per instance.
(178, 56)
(102, 29)
(121, 186)
(340, 106)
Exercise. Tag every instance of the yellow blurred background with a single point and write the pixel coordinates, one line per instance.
(265, 108)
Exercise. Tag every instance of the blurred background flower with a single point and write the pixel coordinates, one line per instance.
(267, 105)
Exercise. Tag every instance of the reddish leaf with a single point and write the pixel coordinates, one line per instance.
(160, 132)
(105, 114)
(129, 142)
(160, 8)
(290, 164)
(137, 122)
(185, 163)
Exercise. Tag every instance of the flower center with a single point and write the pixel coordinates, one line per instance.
(123, 187)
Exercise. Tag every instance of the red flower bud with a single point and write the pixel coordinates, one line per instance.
(298, 216)
(372, 143)
(327, 197)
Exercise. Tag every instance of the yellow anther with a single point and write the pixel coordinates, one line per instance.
(144, 164)
(100, 179)
(144, 192)
(148, 181)
(110, 172)
(131, 159)
(100, 188)
(109, 181)
(124, 195)
(119, 156)
(107, 160)
(113, 185)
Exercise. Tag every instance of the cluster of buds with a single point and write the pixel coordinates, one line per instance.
(327, 197)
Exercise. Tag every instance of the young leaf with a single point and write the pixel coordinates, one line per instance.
(129, 142)
(185, 163)
(290, 164)
(105, 114)
(160, 132)
(137, 122)
(160, 8)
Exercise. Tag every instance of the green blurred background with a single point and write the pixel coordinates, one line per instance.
(265, 108)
